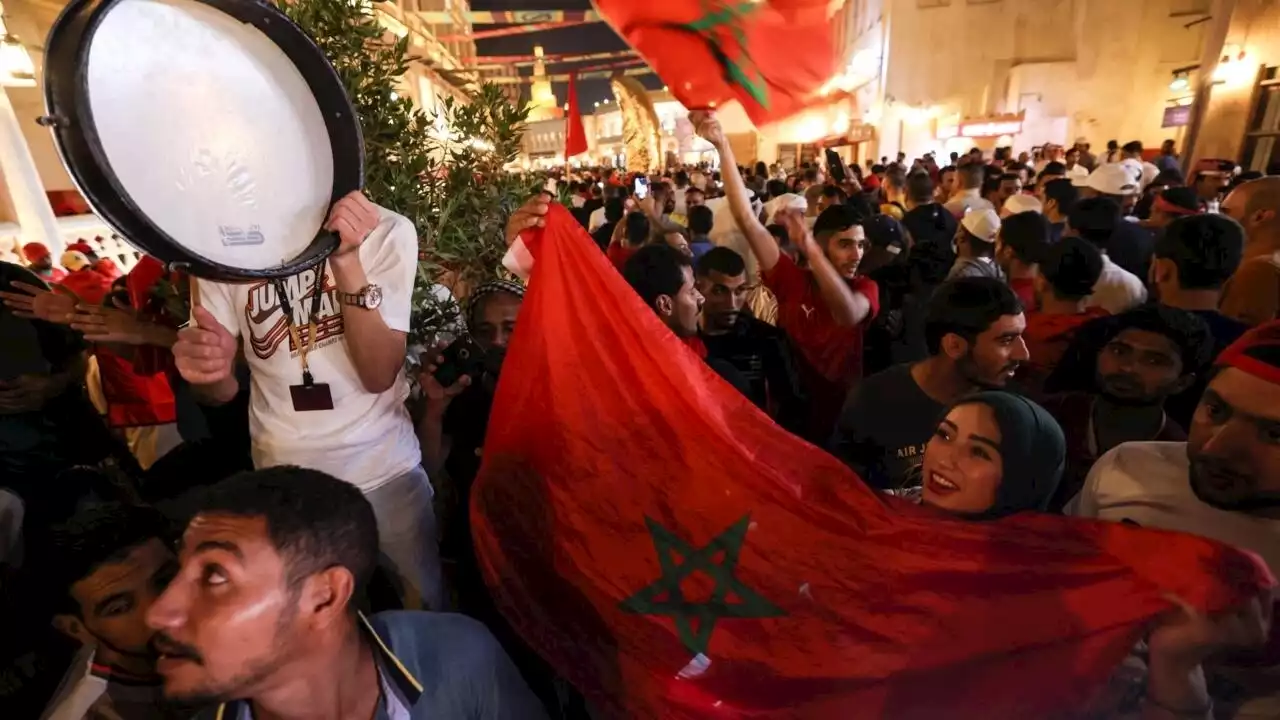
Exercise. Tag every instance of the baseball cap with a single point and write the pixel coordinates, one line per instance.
(884, 231)
(74, 260)
(81, 247)
(1110, 179)
(1021, 203)
(34, 251)
(982, 223)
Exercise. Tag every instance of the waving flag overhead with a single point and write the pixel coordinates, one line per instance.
(575, 137)
(773, 56)
(675, 554)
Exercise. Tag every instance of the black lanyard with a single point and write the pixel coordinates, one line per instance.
(294, 333)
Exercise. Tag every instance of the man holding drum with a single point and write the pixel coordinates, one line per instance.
(326, 371)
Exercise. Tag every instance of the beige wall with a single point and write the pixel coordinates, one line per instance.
(1255, 27)
(1104, 65)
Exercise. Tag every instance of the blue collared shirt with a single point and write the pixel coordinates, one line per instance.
(435, 666)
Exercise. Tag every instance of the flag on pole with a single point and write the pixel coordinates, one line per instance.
(675, 554)
(575, 137)
(773, 57)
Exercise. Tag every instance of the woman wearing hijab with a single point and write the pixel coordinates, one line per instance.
(994, 454)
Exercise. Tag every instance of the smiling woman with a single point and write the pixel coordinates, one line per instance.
(994, 454)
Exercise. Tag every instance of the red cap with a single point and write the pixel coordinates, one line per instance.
(81, 246)
(35, 251)
(1257, 352)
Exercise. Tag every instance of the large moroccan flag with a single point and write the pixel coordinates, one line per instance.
(773, 56)
(675, 554)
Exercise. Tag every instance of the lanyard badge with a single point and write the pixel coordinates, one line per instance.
(310, 396)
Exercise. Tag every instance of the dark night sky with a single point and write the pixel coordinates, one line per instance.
(594, 37)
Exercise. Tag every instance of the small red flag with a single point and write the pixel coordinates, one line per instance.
(575, 138)
(675, 554)
(773, 57)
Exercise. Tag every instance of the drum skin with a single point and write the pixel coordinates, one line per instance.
(70, 118)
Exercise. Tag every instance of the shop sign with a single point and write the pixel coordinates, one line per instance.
(1176, 116)
(980, 127)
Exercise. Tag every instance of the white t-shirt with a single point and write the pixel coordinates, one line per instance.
(1117, 289)
(367, 438)
(1148, 483)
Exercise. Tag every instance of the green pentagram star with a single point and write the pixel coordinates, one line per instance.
(730, 599)
(718, 20)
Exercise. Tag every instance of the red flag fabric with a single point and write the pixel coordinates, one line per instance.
(773, 57)
(675, 554)
(575, 137)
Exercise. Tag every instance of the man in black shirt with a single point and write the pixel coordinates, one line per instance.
(614, 210)
(973, 329)
(758, 350)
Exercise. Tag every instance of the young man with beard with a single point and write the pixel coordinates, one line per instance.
(1224, 484)
(1059, 197)
(973, 330)
(1143, 358)
(758, 350)
(104, 568)
(261, 620)
(824, 310)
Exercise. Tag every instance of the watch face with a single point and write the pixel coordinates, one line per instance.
(372, 297)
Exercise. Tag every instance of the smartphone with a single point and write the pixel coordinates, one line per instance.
(462, 358)
(642, 188)
(836, 166)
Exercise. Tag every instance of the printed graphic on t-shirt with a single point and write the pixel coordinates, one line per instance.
(268, 328)
(902, 465)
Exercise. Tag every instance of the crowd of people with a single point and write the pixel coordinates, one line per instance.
(239, 500)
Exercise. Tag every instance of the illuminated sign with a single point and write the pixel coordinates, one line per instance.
(980, 127)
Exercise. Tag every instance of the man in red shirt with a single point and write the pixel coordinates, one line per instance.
(1068, 271)
(826, 309)
(41, 261)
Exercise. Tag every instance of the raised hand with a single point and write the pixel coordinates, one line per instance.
(38, 303)
(532, 214)
(707, 126)
(118, 324)
(353, 218)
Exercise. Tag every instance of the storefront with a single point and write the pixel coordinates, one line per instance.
(959, 135)
(854, 146)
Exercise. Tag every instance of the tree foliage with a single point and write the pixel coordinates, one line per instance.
(443, 171)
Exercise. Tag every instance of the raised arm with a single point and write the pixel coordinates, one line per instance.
(762, 243)
(848, 308)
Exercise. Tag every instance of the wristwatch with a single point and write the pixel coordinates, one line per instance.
(369, 297)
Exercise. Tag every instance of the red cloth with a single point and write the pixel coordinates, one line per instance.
(619, 255)
(1025, 289)
(711, 53)
(134, 399)
(107, 268)
(608, 433)
(1048, 337)
(831, 355)
(575, 137)
(53, 276)
(89, 286)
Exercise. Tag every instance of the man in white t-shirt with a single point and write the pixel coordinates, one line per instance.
(327, 377)
(1223, 483)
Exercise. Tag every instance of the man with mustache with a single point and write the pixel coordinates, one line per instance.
(1141, 358)
(105, 567)
(973, 329)
(1223, 483)
(260, 620)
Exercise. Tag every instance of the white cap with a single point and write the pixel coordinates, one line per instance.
(1110, 179)
(982, 223)
(1021, 203)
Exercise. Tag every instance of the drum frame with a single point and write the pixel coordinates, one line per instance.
(70, 118)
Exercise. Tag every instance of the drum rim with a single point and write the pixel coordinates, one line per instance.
(69, 108)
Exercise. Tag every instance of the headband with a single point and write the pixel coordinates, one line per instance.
(1242, 354)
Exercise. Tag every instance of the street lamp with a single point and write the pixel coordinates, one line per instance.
(16, 68)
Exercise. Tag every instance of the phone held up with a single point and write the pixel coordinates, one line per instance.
(462, 358)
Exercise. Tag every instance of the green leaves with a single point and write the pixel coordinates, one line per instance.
(444, 171)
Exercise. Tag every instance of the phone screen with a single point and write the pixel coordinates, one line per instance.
(642, 188)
